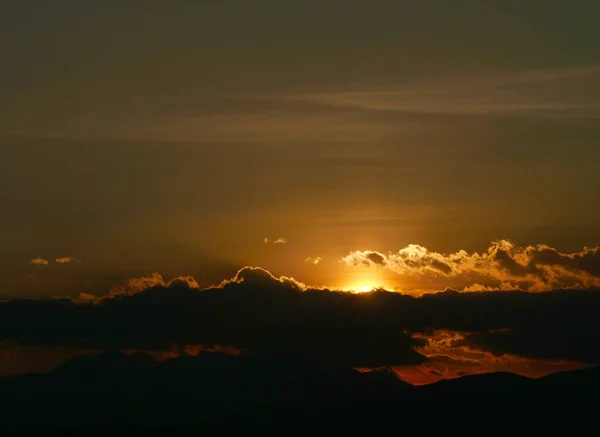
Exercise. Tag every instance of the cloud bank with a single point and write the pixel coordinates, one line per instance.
(504, 266)
(262, 313)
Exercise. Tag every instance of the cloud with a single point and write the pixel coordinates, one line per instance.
(259, 277)
(542, 92)
(292, 122)
(279, 240)
(86, 297)
(260, 312)
(255, 311)
(67, 260)
(448, 356)
(504, 264)
(39, 262)
(504, 286)
(137, 285)
(61, 260)
(315, 260)
(189, 350)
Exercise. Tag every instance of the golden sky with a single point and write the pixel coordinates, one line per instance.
(176, 138)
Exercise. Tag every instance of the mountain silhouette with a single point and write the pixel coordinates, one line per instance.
(217, 394)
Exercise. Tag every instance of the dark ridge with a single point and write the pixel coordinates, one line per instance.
(216, 394)
(482, 382)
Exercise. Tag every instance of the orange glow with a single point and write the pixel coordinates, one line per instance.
(364, 288)
(364, 282)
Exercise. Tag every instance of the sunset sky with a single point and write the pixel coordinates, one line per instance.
(175, 138)
(416, 146)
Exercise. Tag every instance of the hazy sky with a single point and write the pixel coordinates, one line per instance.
(174, 137)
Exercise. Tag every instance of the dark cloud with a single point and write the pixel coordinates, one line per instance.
(254, 311)
(577, 343)
(375, 258)
(260, 312)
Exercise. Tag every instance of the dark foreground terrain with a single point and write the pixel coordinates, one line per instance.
(214, 394)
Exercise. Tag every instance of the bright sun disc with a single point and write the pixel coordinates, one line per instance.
(364, 288)
(359, 288)
(364, 282)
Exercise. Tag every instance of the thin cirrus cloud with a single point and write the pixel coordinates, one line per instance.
(292, 122)
(549, 92)
(340, 113)
(504, 265)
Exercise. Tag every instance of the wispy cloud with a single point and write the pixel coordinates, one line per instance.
(60, 260)
(313, 260)
(504, 264)
(550, 92)
(39, 262)
(67, 260)
(279, 240)
(287, 124)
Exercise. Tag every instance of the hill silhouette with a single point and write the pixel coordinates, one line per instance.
(216, 394)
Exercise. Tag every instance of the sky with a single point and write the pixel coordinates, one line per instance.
(140, 138)
(417, 146)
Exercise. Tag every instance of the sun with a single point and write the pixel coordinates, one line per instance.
(363, 288)
(364, 281)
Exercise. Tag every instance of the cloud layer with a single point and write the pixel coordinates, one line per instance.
(262, 313)
(503, 266)
(254, 311)
(540, 92)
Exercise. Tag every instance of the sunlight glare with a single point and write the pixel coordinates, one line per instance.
(364, 288)
(364, 281)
